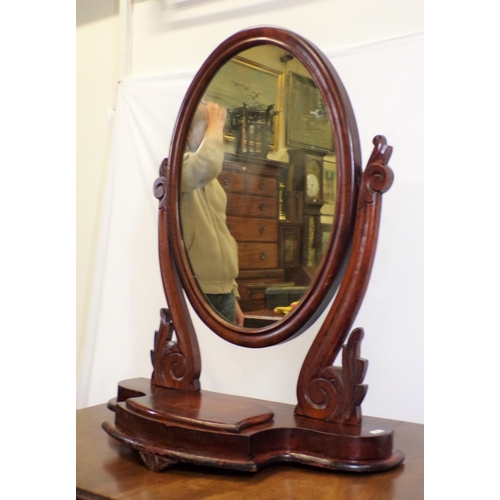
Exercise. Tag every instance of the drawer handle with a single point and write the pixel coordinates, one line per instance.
(262, 229)
(261, 186)
(262, 256)
(262, 206)
(226, 182)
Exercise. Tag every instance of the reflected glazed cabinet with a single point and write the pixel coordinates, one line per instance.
(252, 188)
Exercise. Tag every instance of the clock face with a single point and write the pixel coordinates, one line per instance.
(312, 187)
(313, 179)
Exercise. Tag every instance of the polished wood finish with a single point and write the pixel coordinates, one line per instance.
(328, 276)
(335, 393)
(240, 205)
(252, 229)
(251, 186)
(171, 420)
(200, 409)
(258, 255)
(109, 469)
(325, 429)
(207, 428)
(176, 364)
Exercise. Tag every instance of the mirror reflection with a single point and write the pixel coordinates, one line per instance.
(258, 186)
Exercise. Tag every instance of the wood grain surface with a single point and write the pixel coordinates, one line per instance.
(107, 469)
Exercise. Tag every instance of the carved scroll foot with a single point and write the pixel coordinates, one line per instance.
(155, 463)
(173, 366)
(335, 395)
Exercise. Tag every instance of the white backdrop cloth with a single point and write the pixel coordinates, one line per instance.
(385, 84)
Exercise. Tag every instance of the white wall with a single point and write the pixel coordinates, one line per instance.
(97, 38)
(169, 39)
(165, 41)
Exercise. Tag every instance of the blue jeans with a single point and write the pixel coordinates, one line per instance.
(224, 304)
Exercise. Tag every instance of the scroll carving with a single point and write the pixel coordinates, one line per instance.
(169, 419)
(176, 364)
(170, 365)
(331, 393)
(378, 176)
(339, 390)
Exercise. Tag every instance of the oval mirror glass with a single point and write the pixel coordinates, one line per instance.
(265, 181)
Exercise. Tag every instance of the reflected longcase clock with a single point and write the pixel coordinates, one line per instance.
(307, 168)
(314, 181)
(308, 174)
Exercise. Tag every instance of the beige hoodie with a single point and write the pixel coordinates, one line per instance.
(212, 251)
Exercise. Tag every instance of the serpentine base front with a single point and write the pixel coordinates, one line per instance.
(205, 428)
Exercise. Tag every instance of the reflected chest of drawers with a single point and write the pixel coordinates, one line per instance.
(252, 188)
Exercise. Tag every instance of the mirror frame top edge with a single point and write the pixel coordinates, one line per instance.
(348, 154)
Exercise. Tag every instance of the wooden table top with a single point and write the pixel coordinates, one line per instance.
(107, 469)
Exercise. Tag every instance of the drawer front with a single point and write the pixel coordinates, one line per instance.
(262, 274)
(261, 186)
(242, 205)
(232, 181)
(257, 255)
(252, 229)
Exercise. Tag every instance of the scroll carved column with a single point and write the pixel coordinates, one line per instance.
(176, 363)
(335, 393)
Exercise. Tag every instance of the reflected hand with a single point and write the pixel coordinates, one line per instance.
(216, 119)
(240, 318)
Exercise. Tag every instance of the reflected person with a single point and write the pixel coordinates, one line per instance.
(212, 251)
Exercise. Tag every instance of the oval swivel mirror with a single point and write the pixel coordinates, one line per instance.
(264, 165)
(263, 197)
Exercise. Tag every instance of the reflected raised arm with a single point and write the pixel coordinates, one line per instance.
(205, 141)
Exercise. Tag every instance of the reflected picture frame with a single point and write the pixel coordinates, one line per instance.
(307, 121)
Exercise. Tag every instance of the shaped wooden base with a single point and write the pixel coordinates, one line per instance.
(205, 428)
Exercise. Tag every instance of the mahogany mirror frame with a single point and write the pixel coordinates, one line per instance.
(348, 155)
(169, 419)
